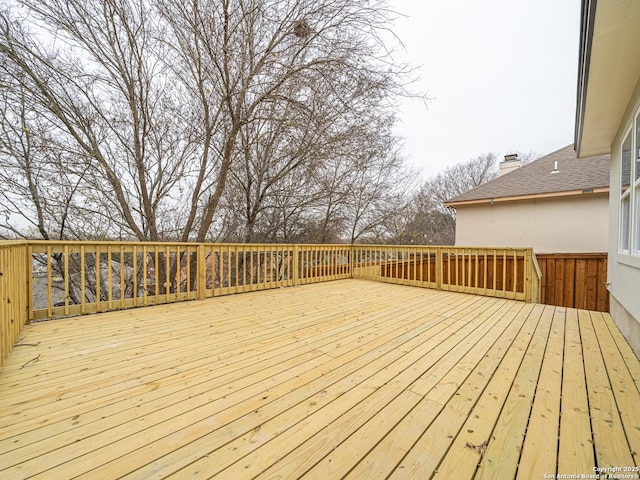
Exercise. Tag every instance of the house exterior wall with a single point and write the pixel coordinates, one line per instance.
(624, 269)
(574, 224)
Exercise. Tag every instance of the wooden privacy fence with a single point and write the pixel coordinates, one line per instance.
(497, 272)
(46, 279)
(575, 280)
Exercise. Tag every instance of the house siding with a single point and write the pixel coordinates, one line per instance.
(624, 270)
(575, 224)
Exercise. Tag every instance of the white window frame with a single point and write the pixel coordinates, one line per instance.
(624, 234)
(635, 188)
(631, 196)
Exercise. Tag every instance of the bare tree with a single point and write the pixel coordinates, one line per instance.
(459, 178)
(379, 186)
(154, 97)
(256, 58)
(527, 156)
(133, 115)
(426, 220)
(423, 221)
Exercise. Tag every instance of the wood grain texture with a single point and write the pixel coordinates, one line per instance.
(575, 280)
(344, 379)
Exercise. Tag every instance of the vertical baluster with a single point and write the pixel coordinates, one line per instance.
(178, 277)
(227, 275)
(122, 275)
(504, 273)
(156, 267)
(251, 267)
(109, 279)
(515, 273)
(187, 288)
(98, 278)
(144, 275)
(49, 282)
(66, 279)
(486, 272)
(134, 286)
(30, 279)
(476, 267)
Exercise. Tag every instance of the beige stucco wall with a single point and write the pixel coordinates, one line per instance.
(572, 224)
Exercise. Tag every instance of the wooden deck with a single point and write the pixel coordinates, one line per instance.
(344, 379)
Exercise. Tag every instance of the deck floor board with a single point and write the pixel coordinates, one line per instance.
(343, 379)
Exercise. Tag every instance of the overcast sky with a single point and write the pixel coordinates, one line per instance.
(502, 75)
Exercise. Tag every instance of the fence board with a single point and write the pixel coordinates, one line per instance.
(581, 283)
(559, 282)
(602, 293)
(568, 285)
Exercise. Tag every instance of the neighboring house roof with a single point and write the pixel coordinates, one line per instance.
(535, 180)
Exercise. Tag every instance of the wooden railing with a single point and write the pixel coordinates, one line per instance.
(47, 279)
(497, 272)
(14, 285)
(85, 277)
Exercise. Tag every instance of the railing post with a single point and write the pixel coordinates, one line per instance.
(296, 265)
(439, 268)
(528, 277)
(202, 272)
(532, 280)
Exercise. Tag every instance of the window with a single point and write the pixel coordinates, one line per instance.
(625, 194)
(629, 234)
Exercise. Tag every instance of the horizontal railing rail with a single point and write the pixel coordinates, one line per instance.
(48, 279)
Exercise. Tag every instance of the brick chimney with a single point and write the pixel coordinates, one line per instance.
(510, 163)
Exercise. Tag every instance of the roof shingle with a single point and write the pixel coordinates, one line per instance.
(536, 178)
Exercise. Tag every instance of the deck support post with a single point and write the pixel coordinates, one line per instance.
(439, 268)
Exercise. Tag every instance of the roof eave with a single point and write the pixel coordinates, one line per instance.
(608, 73)
(567, 193)
(587, 17)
